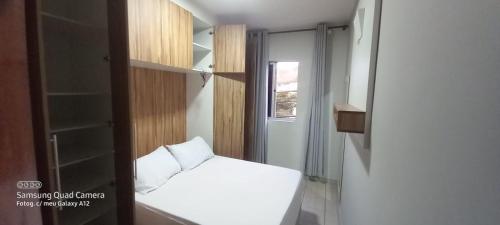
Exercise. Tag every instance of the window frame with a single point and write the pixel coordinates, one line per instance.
(272, 93)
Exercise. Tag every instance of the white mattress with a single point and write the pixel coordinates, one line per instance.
(225, 191)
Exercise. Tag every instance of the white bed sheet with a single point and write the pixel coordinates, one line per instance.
(225, 191)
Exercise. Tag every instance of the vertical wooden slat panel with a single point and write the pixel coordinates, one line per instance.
(132, 27)
(178, 93)
(189, 40)
(231, 43)
(219, 50)
(229, 49)
(182, 36)
(226, 114)
(173, 39)
(239, 115)
(166, 56)
(240, 48)
(158, 109)
(229, 114)
(216, 129)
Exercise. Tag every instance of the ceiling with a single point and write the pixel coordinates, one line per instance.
(276, 15)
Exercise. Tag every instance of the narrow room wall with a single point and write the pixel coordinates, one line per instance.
(200, 108)
(286, 145)
(339, 49)
(286, 138)
(435, 153)
(199, 100)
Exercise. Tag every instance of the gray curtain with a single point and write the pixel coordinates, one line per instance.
(257, 60)
(316, 121)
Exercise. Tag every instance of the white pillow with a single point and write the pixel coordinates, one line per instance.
(192, 153)
(154, 169)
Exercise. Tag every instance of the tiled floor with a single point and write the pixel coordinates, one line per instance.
(319, 206)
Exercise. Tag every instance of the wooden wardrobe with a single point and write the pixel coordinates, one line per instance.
(229, 90)
(168, 43)
(80, 105)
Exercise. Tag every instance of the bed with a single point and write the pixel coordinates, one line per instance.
(225, 191)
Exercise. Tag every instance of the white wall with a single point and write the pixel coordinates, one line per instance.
(435, 153)
(286, 138)
(199, 100)
(339, 49)
(286, 143)
(199, 104)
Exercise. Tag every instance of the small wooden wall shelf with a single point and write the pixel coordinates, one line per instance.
(349, 118)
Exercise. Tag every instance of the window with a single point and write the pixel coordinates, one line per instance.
(283, 77)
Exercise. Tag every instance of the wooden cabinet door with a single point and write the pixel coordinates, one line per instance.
(80, 107)
(177, 36)
(229, 49)
(229, 115)
(145, 29)
(160, 32)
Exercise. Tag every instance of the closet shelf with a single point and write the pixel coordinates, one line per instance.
(161, 67)
(77, 93)
(69, 21)
(200, 70)
(103, 183)
(72, 159)
(88, 176)
(200, 48)
(349, 118)
(95, 185)
(199, 25)
(80, 126)
(76, 184)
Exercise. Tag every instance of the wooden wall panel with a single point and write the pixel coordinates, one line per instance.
(229, 114)
(229, 49)
(158, 109)
(17, 161)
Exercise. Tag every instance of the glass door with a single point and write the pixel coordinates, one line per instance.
(77, 72)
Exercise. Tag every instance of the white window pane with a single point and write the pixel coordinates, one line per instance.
(286, 76)
(285, 98)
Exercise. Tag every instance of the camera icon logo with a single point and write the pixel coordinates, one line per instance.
(22, 184)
